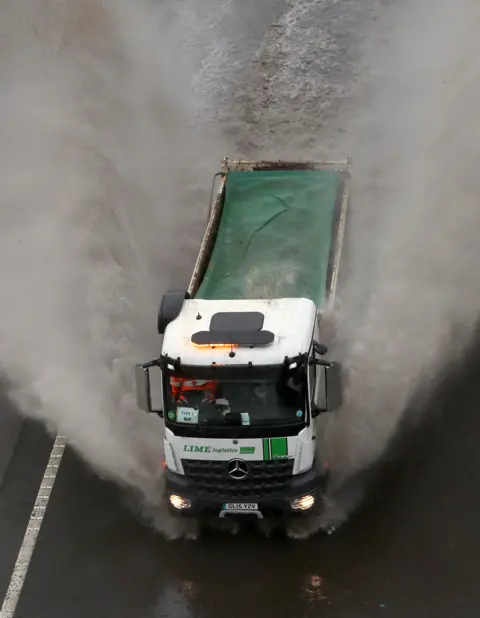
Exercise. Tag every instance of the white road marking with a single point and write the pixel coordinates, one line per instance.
(24, 557)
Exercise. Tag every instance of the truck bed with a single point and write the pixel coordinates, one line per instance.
(276, 233)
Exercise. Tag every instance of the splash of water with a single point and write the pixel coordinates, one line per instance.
(412, 248)
(96, 122)
(96, 218)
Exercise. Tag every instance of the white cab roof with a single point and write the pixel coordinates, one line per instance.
(291, 320)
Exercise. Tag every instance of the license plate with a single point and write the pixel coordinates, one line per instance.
(240, 506)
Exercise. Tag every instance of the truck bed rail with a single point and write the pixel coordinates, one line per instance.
(229, 165)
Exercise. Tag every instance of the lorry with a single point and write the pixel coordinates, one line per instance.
(242, 374)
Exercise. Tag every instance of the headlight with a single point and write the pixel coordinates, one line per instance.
(303, 503)
(179, 503)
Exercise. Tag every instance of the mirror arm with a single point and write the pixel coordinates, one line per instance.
(153, 363)
(316, 411)
(320, 361)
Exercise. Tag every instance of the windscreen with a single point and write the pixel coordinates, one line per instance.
(273, 396)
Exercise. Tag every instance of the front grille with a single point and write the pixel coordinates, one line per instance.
(264, 479)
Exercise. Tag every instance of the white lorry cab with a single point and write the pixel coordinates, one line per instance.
(243, 373)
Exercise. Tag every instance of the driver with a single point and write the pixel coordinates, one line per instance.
(180, 388)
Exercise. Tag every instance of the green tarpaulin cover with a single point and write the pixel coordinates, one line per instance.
(274, 237)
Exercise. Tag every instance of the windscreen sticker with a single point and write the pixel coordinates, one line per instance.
(245, 418)
(187, 415)
(171, 415)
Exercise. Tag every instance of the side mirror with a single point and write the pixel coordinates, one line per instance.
(144, 390)
(330, 386)
(333, 386)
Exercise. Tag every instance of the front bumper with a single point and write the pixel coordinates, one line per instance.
(204, 506)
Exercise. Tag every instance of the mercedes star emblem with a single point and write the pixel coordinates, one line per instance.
(237, 469)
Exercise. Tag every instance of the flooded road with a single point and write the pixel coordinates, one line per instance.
(412, 550)
(268, 79)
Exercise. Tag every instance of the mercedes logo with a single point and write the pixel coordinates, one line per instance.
(237, 469)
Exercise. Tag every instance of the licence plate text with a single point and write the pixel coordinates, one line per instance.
(240, 506)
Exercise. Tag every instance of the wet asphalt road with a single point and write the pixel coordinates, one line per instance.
(413, 550)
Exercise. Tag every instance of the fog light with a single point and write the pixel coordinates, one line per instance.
(180, 503)
(302, 504)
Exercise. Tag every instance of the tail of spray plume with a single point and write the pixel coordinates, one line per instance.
(412, 246)
(94, 119)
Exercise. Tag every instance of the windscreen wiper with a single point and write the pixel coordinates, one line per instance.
(229, 418)
(268, 421)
